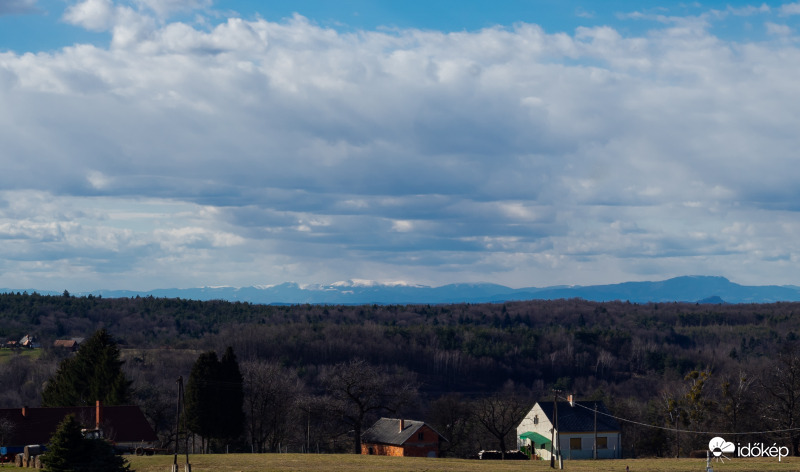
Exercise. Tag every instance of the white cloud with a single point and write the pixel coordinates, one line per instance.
(778, 30)
(94, 15)
(259, 152)
(749, 10)
(164, 8)
(789, 9)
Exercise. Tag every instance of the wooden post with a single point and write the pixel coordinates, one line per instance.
(595, 430)
(558, 446)
(553, 435)
(677, 442)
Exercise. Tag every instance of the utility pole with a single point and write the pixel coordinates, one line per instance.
(595, 430)
(677, 443)
(181, 415)
(555, 445)
(553, 436)
(558, 446)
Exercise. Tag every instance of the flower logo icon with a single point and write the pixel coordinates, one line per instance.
(719, 447)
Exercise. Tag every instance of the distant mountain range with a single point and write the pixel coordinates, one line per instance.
(694, 289)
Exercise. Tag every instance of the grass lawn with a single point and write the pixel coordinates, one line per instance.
(7, 354)
(349, 462)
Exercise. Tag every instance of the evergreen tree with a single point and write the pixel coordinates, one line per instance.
(215, 396)
(202, 395)
(232, 397)
(66, 448)
(94, 373)
(69, 451)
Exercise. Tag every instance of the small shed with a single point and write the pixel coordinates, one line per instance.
(400, 437)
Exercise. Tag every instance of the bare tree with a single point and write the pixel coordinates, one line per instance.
(358, 390)
(781, 383)
(737, 399)
(270, 396)
(452, 416)
(500, 414)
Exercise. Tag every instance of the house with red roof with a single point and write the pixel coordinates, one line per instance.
(398, 437)
(125, 426)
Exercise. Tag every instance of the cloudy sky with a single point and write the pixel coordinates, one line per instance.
(182, 143)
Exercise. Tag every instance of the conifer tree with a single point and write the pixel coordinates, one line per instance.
(232, 397)
(202, 395)
(94, 373)
(66, 448)
(69, 451)
(215, 396)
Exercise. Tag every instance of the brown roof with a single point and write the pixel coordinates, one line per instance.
(387, 431)
(71, 343)
(120, 424)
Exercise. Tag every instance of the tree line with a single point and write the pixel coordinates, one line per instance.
(700, 367)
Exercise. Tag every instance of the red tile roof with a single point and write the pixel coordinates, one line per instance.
(120, 424)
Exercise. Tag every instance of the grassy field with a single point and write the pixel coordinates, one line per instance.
(334, 463)
(8, 354)
(349, 462)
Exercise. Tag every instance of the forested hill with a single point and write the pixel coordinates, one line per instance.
(528, 342)
(631, 355)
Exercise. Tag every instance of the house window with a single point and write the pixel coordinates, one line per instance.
(575, 444)
(421, 436)
(602, 443)
(536, 419)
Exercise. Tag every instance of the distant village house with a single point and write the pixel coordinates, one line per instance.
(71, 344)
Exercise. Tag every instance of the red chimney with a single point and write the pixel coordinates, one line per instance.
(24, 411)
(98, 414)
(402, 424)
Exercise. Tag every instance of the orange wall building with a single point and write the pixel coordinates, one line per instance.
(398, 437)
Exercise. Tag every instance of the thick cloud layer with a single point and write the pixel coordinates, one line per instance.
(258, 151)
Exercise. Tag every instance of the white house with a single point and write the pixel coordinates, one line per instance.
(577, 427)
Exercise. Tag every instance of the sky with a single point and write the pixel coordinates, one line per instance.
(184, 143)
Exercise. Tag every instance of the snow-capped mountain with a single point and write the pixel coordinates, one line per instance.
(702, 289)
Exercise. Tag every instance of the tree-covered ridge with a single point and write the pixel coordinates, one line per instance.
(534, 341)
(703, 364)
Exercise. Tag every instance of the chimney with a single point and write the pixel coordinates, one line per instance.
(402, 424)
(24, 411)
(98, 414)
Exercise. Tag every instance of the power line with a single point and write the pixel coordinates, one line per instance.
(664, 428)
